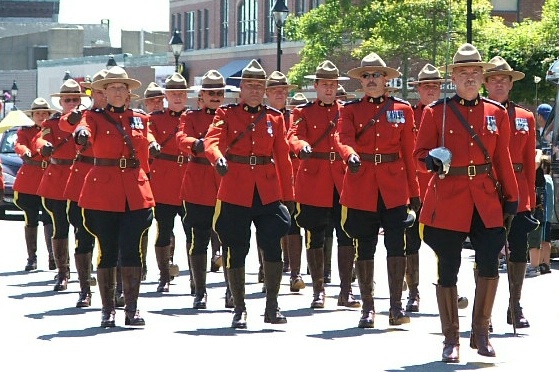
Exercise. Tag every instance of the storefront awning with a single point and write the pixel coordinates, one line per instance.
(233, 69)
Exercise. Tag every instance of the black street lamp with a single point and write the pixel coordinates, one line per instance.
(279, 12)
(66, 76)
(14, 95)
(176, 47)
(111, 62)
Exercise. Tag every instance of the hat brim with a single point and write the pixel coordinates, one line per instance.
(515, 75)
(417, 82)
(69, 94)
(146, 98)
(85, 101)
(134, 96)
(483, 65)
(314, 77)
(197, 88)
(132, 83)
(175, 89)
(30, 112)
(348, 96)
(389, 71)
(248, 78)
(288, 86)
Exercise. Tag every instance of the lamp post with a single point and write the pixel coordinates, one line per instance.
(537, 80)
(111, 62)
(14, 95)
(66, 76)
(176, 47)
(279, 12)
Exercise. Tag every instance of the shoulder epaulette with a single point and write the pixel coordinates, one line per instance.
(485, 99)
(56, 115)
(305, 104)
(159, 112)
(519, 106)
(275, 111)
(400, 100)
(353, 101)
(193, 110)
(439, 101)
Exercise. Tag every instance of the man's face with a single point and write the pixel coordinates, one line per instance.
(277, 97)
(252, 92)
(69, 102)
(468, 81)
(99, 99)
(176, 99)
(117, 94)
(40, 116)
(373, 83)
(326, 90)
(498, 87)
(428, 92)
(212, 99)
(154, 104)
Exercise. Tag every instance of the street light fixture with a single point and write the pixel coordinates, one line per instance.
(66, 76)
(279, 12)
(111, 62)
(537, 80)
(176, 47)
(14, 95)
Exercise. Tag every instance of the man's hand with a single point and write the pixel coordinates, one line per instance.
(75, 116)
(198, 146)
(415, 203)
(81, 137)
(221, 166)
(353, 163)
(290, 205)
(305, 152)
(154, 149)
(47, 149)
(433, 164)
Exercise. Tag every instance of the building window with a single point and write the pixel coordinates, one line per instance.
(189, 30)
(179, 21)
(248, 22)
(270, 23)
(300, 7)
(505, 5)
(173, 22)
(314, 4)
(206, 38)
(200, 29)
(224, 24)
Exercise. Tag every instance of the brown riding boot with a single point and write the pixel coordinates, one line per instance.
(448, 311)
(315, 259)
(144, 250)
(365, 271)
(285, 254)
(295, 249)
(486, 289)
(61, 255)
(162, 257)
(517, 271)
(173, 268)
(328, 244)
(31, 242)
(106, 280)
(396, 270)
(216, 260)
(119, 294)
(199, 266)
(228, 296)
(236, 278)
(131, 279)
(272, 275)
(191, 277)
(48, 231)
(83, 267)
(412, 278)
(346, 257)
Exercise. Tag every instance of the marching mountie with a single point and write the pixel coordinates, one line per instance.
(246, 143)
(153, 98)
(53, 141)
(277, 91)
(498, 83)
(27, 181)
(201, 182)
(116, 197)
(429, 89)
(318, 182)
(376, 139)
(467, 153)
(167, 172)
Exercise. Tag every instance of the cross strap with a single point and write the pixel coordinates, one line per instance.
(249, 127)
(373, 120)
(123, 133)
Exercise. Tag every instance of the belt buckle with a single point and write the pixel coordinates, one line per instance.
(332, 156)
(180, 159)
(472, 170)
(378, 158)
(44, 164)
(122, 163)
(252, 160)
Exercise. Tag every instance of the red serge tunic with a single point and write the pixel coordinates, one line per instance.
(167, 170)
(273, 181)
(392, 136)
(201, 181)
(111, 188)
(31, 172)
(449, 202)
(422, 178)
(316, 178)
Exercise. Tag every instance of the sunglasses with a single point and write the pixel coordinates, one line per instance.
(68, 100)
(213, 93)
(376, 75)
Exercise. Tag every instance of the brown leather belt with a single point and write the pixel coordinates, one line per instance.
(56, 161)
(332, 155)
(380, 158)
(250, 160)
(197, 160)
(122, 163)
(471, 170)
(518, 167)
(85, 159)
(36, 163)
(179, 159)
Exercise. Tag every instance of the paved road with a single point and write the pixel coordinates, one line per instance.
(42, 329)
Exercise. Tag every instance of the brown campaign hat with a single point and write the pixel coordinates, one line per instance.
(340, 92)
(98, 76)
(467, 55)
(328, 71)
(40, 105)
(116, 75)
(252, 71)
(70, 87)
(212, 80)
(428, 74)
(372, 62)
(297, 99)
(502, 68)
(153, 91)
(278, 79)
(176, 82)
